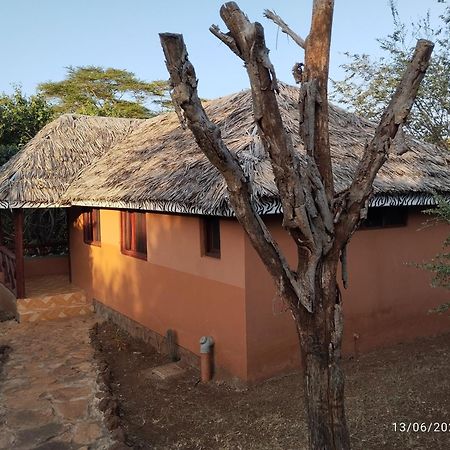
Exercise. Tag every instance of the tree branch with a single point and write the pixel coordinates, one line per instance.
(313, 101)
(226, 39)
(208, 138)
(275, 18)
(293, 179)
(306, 207)
(377, 151)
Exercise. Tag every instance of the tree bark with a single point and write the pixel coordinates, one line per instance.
(320, 337)
(319, 222)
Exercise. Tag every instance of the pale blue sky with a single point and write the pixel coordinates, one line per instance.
(39, 38)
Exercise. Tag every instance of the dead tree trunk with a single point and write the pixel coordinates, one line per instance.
(319, 221)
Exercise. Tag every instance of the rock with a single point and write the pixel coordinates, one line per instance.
(21, 419)
(72, 393)
(32, 437)
(112, 422)
(6, 438)
(72, 409)
(54, 445)
(118, 434)
(86, 433)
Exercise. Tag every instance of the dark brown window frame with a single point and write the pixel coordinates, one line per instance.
(208, 225)
(386, 218)
(124, 215)
(92, 227)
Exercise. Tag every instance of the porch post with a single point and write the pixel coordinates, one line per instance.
(69, 226)
(1, 228)
(18, 244)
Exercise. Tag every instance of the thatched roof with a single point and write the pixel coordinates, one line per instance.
(41, 172)
(158, 166)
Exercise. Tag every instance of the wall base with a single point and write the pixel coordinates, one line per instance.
(139, 331)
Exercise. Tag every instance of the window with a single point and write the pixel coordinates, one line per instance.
(211, 236)
(91, 226)
(387, 216)
(134, 234)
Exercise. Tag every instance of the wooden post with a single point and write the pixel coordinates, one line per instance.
(69, 226)
(1, 229)
(18, 244)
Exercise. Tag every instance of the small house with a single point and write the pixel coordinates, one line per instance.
(153, 242)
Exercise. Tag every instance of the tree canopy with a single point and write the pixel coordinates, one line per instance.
(370, 82)
(21, 117)
(95, 90)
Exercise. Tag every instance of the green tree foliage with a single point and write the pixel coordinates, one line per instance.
(21, 117)
(440, 265)
(94, 90)
(369, 83)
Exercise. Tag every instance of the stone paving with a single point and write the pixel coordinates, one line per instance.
(48, 387)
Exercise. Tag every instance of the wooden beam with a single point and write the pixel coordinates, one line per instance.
(2, 237)
(69, 227)
(18, 247)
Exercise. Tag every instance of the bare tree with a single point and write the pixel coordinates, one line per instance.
(319, 221)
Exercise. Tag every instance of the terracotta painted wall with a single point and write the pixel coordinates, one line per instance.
(176, 288)
(387, 300)
(46, 265)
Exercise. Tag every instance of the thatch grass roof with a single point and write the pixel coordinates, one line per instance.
(156, 165)
(42, 171)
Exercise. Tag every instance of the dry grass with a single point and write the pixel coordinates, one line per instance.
(405, 383)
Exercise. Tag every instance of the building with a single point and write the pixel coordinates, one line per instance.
(154, 244)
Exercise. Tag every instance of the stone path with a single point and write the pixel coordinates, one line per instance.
(48, 387)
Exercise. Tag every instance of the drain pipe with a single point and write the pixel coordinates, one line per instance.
(206, 343)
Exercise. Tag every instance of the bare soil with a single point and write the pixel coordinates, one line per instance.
(408, 383)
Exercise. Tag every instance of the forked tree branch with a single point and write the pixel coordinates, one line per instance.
(208, 138)
(284, 27)
(377, 151)
(293, 180)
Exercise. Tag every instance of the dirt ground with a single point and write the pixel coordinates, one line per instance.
(407, 383)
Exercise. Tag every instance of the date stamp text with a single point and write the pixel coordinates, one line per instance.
(421, 427)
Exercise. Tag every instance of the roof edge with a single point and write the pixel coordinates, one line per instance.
(269, 207)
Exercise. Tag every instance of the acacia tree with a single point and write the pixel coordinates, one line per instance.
(369, 83)
(97, 91)
(319, 220)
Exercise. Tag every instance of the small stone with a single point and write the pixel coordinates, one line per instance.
(112, 422)
(166, 371)
(104, 404)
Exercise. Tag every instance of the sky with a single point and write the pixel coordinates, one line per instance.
(39, 38)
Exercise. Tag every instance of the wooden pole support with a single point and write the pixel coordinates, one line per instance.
(18, 244)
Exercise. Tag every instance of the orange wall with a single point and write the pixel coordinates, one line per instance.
(176, 288)
(387, 300)
(46, 265)
(271, 341)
